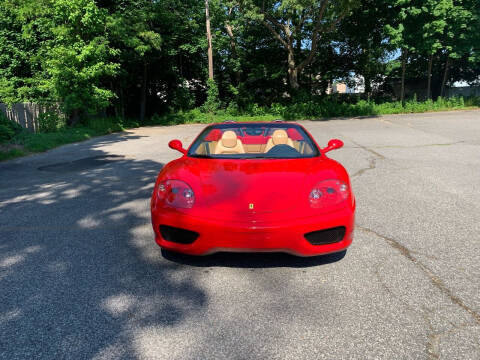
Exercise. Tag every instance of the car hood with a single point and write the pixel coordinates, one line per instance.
(243, 189)
(252, 187)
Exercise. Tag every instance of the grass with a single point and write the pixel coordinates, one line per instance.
(313, 110)
(6, 154)
(24, 142)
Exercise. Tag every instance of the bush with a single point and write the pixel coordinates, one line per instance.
(105, 125)
(49, 121)
(8, 129)
(213, 101)
(232, 109)
(10, 154)
(183, 98)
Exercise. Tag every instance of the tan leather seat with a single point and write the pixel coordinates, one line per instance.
(229, 144)
(279, 137)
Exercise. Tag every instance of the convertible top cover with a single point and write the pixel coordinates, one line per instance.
(254, 141)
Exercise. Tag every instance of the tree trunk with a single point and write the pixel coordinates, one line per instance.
(445, 76)
(429, 82)
(368, 85)
(74, 117)
(122, 103)
(404, 67)
(293, 78)
(116, 105)
(209, 41)
(143, 93)
(292, 70)
(233, 46)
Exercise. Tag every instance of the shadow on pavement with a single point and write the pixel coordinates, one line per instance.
(80, 273)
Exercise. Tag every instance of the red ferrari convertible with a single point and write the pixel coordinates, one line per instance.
(253, 187)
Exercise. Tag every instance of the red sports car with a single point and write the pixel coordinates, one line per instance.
(253, 187)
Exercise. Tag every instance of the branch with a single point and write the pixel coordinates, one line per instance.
(275, 22)
(316, 31)
(340, 18)
(270, 27)
(275, 34)
(302, 20)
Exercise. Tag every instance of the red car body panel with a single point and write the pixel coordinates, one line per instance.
(253, 205)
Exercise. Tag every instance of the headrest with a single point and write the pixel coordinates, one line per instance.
(294, 134)
(229, 139)
(279, 137)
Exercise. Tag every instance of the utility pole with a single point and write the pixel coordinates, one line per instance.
(209, 40)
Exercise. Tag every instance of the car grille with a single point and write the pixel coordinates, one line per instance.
(178, 235)
(328, 236)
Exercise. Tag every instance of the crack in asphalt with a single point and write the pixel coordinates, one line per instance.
(392, 293)
(435, 280)
(378, 155)
(433, 344)
(417, 146)
(404, 147)
(372, 164)
(433, 339)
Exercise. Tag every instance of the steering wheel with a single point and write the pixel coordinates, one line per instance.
(282, 150)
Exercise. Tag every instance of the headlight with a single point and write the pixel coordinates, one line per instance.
(175, 193)
(327, 193)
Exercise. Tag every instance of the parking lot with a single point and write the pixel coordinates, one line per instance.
(81, 276)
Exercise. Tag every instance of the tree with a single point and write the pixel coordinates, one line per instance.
(434, 20)
(293, 23)
(403, 33)
(134, 33)
(79, 58)
(461, 17)
(23, 30)
(209, 42)
(136, 58)
(361, 43)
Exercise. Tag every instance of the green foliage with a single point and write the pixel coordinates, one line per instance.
(184, 99)
(213, 102)
(117, 57)
(319, 109)
(105, 125)
(8, 129)
(79, 57)
(49, 121)
(37, 142)
(11, 154)
(6, 133)
(23, 142)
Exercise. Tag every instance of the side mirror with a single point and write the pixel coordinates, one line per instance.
(177, 145)
(332, 145)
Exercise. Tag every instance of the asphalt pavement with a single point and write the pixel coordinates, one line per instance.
(81, 276)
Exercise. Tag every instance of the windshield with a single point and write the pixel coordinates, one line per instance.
(253, 141)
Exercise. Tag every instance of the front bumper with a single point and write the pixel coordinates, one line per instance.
(254, 236)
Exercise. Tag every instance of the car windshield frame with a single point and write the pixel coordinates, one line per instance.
(248, 156)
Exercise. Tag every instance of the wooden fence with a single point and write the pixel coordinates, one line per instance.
(465, 91)
(24, 114)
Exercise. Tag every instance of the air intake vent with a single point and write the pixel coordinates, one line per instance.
(328, 236)
(178, 235)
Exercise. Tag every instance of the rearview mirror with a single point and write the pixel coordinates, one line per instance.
(332, 145)
(177, 145)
